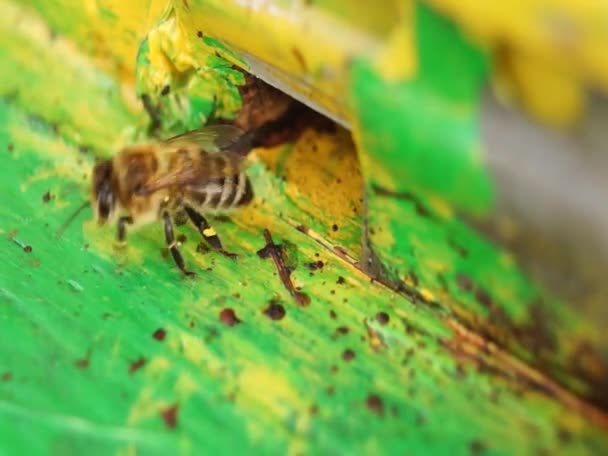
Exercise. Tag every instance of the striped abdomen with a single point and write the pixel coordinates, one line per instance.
(222, 193)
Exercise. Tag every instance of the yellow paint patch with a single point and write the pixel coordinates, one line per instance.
(170, 48)
(374, 340)
(158, 60)
(157, 365)
(553, 94)
(397, 60)
(193, 348)
(507, 260)
(383, 236)
(427, 294)
(185, 385)
(103, 239)
(554, 48)
(66, 163)
(270, 393)
(434, 265)
(129, 450)
(270, 388)
(408, 281)
(145, 406)
(333, 190)
(114, 29)
(440, 206)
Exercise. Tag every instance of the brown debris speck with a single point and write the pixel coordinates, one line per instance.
(341, 281)
(228, 317)
(333, 315)
(10, 147)
(275, 311)
(420, 419)
(313, 266)
(348, 355)
(169, 415)
(6, 376)
(382, 318)
(374, 404)
(27, 249)
(47, 197)
(341, 330)
(460, 371)
(137, 364)
(159, 334)
(82, 363)
(476, 447)
(460, 250)
(334, 227)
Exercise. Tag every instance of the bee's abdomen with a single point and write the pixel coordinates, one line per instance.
(225, 193)
(245, 194)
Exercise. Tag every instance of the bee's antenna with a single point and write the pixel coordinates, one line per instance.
(71, 218)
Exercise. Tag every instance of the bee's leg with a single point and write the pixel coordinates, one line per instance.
(207, 232)
(172, 245)
(121, 232)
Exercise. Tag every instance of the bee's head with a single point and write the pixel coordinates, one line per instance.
(103, 191)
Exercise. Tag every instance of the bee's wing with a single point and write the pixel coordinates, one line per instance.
(212, 138)
(217, 165)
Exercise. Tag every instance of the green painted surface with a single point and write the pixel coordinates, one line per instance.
(422, 134)
(77, 316)
(273, 386)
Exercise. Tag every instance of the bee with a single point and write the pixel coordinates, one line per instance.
(168, 181)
